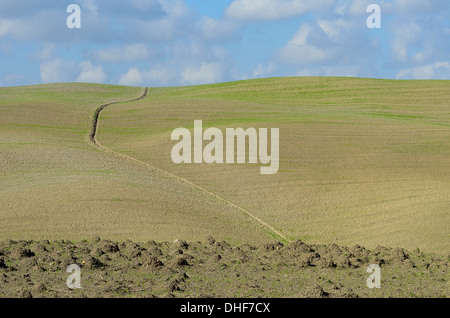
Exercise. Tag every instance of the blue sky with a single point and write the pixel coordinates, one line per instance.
(189, 42)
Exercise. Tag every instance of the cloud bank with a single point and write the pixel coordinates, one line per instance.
(174, 42)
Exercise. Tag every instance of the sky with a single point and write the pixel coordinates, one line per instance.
(191, 42)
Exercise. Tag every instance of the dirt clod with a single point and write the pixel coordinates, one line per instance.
(182, 261)
(216, 269)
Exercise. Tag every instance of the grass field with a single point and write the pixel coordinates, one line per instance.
(55, 184)
(362, 161)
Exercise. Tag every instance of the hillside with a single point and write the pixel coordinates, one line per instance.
(56, 184)
(361, 162)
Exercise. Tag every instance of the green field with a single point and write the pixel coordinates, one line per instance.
(362, 161)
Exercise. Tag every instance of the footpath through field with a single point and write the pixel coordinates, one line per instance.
(145, 92)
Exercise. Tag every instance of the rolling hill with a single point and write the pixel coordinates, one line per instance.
(362, 161)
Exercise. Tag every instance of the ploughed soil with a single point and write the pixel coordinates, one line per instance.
(215, 269)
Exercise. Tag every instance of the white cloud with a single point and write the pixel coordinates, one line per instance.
(354, 8)
(203, 74)
(58, 70)
(332, 45)
(15, 80)
(262, 70)
(45, 25)
(90, 6)
(437, 70)
(157, 75)
(90, 73)
(359, 7)
(127, 53)
(46, 53)
(6, 26)
(132, 78)
(177, 21)
(298, 51)
(444, 65)
(164, 75)
(331, 70)
(405, 34)
(260, 10)
(218, 30)
(102, 20)
(420, 6)
(334, 28)
(186, 62)
(166, 42)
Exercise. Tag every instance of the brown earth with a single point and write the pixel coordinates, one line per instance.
(215, 269)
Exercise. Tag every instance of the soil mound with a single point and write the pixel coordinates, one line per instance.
(215, 269)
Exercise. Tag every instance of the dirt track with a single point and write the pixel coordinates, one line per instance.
(92, 138)
(215, 269)
(95, 119)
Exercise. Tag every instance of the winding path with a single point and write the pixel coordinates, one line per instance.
(94, 127)
(93, 140)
